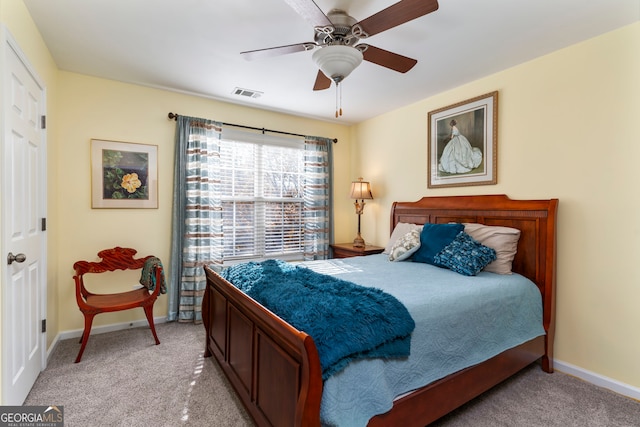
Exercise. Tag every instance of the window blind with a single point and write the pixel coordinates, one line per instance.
(262, 180)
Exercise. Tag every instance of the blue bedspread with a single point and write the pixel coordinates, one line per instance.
(460, 321)
(346, 321)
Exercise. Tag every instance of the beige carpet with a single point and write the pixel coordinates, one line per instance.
(125, 380)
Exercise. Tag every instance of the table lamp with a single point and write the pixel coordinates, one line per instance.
(360, 190)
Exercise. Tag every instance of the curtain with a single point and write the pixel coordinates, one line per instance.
(318, 194)
(196, 236)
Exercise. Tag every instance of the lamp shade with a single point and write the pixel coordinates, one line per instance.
(361, 190)
(337, 61)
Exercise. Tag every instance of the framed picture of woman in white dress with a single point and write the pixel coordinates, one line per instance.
(462, 143)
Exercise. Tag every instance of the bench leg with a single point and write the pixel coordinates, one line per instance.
(88, 320)
(148, 311)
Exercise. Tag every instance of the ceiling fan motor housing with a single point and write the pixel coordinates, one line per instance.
(340, 32)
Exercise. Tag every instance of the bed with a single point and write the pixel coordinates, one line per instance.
(275, 368)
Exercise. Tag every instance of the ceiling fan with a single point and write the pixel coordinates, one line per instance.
(337, 35)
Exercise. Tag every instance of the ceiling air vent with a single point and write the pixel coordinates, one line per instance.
(247, 92)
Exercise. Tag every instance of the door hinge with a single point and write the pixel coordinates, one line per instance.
(44, 224)
(44, 325)
(43, 122)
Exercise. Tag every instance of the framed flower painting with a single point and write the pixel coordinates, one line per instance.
(463, 143)
(123, 175)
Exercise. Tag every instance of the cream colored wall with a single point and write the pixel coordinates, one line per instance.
(568, 128)
(15, 17)
(103, 109)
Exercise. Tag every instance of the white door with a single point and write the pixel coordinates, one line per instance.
(23, 238)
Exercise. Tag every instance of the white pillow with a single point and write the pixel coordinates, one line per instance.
(400, 230)
(504, 240)
(405, 246)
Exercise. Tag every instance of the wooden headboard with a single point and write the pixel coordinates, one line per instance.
(536, 220)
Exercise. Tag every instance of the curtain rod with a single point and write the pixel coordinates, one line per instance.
(173, 116)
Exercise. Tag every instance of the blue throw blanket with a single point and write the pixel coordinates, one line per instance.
(345, 320)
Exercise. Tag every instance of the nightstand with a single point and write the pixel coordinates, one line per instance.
(346, 250)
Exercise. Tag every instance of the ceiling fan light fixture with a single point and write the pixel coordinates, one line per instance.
(337, 61)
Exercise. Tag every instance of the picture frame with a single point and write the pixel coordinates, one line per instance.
(463, 143)
(124, 175)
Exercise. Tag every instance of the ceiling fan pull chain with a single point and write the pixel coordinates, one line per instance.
(337, 89)
(338, 100)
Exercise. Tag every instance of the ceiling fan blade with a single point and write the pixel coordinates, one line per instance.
(322, 82)
(270, 52)
(310, 11)
(387, 59)
(396, 14)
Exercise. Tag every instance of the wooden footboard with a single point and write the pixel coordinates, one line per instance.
(274, 368)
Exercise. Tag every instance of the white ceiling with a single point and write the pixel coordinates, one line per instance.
(193, 46)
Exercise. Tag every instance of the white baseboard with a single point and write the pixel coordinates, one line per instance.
(597, 379)
(77, 333)
(52, 347)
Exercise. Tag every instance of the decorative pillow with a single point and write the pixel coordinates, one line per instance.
(405, 246)
(399, 231)
(433, 238)
(504, 240)
(465, 255)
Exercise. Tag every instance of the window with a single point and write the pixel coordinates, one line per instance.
(262, 180)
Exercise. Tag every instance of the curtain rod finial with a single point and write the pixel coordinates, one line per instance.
(173, 116)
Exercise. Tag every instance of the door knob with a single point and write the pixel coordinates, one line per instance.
(17, 258)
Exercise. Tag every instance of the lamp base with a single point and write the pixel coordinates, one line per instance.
(358, 242)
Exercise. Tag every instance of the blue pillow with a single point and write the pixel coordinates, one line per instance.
(433, 238)
(465, 255)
